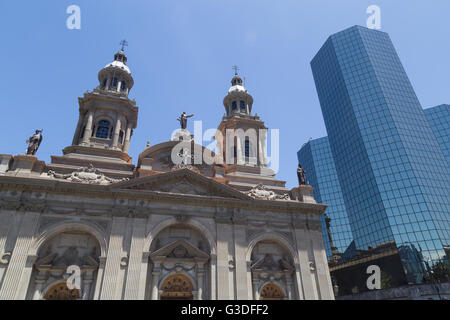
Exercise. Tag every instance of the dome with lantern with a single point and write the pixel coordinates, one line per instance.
(116, 76)
(238, 102)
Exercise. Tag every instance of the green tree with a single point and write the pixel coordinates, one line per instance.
(386, 280)
(441, 272)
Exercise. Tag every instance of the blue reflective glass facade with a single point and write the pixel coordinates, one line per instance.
(439, 120)
(393, 174)
(317, 160)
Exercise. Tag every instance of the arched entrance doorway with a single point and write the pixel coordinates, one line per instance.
(271, 262)
(60, 291)
(55, 256)
(177, 287)
(179, 250)
(271, 292)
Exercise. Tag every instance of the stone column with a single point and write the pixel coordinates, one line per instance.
(240, 250)
(298, 282)
(98, 283)
(155, 280)
(19, 263)
(76, 136)
(305, 285)
(39, 285)
(143, 276)
(126, 146)
(108, 82)
(324, 284)
(88, 129)
(255, 282)
(116, 134)
(6, 222)
(200, 276)
(262, 147)
(224, 234)
(114, 256)
(240, 157)
(213, 271)
(87, 284)
(289, 286)
(133, 280)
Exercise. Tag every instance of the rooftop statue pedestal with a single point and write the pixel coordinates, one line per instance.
(303, 193)
(24, 165)
(5, 161)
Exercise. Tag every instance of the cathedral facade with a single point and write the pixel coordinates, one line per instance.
(160, 229)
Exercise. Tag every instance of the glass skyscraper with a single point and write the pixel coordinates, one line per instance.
(317, 160)
(393, 175)
(439, 120)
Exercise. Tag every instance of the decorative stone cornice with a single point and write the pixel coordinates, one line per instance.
(88, 175)
(261, 192)
(13, 189)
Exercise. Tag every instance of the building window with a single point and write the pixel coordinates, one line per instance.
(234, 152)
(62, 292)
(114, 82)
(271, 292)
(177, 287)
(104, 84)
(243, 107)
(103, 129)
(247, 148)
(234, 106)
(121, 137)
(123, 86)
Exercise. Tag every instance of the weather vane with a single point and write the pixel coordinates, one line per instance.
(236, 69)
(124, 43)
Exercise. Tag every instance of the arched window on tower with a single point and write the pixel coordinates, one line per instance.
(123, 86)
(103, 129)
(121, 136)
(113, 85)
(234, 106)
(243, 106)
(247, 148)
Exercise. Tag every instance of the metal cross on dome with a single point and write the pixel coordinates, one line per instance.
(236, 69)
(124, 43)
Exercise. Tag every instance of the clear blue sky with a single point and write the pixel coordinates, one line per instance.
(181, 53)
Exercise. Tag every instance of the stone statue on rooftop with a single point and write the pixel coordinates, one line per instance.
(301, 174)
(183, 120)
(34, 142)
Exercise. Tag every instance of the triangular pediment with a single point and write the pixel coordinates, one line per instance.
(184, 181)
(268, 263)
(179, 249)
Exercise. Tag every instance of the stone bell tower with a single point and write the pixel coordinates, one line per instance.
(106, 121)
(244, 148)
